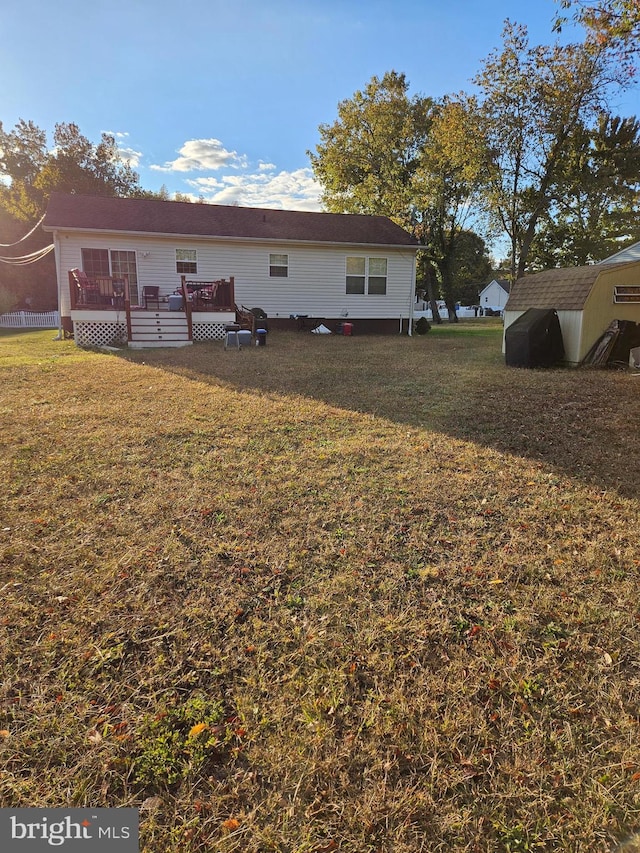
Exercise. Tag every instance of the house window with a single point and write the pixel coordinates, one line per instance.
(356, 268)
(377, 283)
(367, 272)
(124, 263)
(102, 263)
(626, 293)
(95, 262)
(279, 266)
(186, 262)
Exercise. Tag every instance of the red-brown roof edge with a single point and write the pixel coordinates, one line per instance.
(187, 219)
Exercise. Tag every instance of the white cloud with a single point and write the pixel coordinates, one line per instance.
(297, 190)
(130, 156)
(198, 155)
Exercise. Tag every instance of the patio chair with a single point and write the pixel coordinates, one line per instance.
(89, 290)
(151, 294)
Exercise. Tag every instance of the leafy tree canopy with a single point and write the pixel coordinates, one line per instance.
(367, 158)
(595, 209)
(31, 171)
(533, 101)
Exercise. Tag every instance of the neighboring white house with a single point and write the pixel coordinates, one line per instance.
(631, 253)
(495, 295)
(288, 263)
(587, 300)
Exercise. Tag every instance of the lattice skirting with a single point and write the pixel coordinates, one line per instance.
(208, 331)
(115, 334)
(100, 334)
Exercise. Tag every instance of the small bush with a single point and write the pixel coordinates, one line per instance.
(422, 326)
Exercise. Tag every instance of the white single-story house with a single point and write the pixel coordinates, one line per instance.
(130, 255)
(494, 295)
(631, 253)
(587, 299)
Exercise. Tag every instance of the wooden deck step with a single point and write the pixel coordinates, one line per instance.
(159, 329)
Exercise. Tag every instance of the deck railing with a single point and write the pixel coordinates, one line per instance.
(101, 292)
(209, 295)
(112, 292)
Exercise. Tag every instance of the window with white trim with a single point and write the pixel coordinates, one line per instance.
(186, 261)
(626, 293)
(377, 281)
(278, 266)
(366, 275)
(105, 263)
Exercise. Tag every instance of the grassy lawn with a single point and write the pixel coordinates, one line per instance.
(368, 594)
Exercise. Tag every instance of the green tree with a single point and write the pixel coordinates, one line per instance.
(30, 171)
(446, 189)
(533, 101)
(367, 158)
(614, 22)
(470, 266)
(408, 158)
(595, 209)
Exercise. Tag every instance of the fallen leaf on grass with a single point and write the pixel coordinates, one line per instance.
(230, 824)
(195, 730)
(4, 732)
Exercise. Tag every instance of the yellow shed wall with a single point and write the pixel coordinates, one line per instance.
(600, 309)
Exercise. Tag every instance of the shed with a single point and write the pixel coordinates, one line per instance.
(587, 299)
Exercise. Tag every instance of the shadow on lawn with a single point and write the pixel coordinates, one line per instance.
(583, 422)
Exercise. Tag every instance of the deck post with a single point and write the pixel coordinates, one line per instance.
(127, 307)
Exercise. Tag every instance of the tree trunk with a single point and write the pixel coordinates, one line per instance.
(435, 313)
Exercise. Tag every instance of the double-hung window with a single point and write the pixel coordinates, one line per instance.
(186, 261)
(278, 266)
(366, 276)
(377, 281)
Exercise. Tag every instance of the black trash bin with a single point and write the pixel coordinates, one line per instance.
(261, 337)
(534, 339)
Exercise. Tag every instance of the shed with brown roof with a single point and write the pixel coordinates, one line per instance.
(587, 299)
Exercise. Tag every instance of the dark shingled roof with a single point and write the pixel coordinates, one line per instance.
(562, 289)
(150, 216)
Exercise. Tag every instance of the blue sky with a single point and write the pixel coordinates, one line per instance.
(224, 99)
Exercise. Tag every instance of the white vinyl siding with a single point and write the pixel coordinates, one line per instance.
(315, 284)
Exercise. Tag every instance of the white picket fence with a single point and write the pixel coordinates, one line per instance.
(30, 319)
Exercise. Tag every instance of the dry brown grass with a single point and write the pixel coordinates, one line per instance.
(356, 594)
